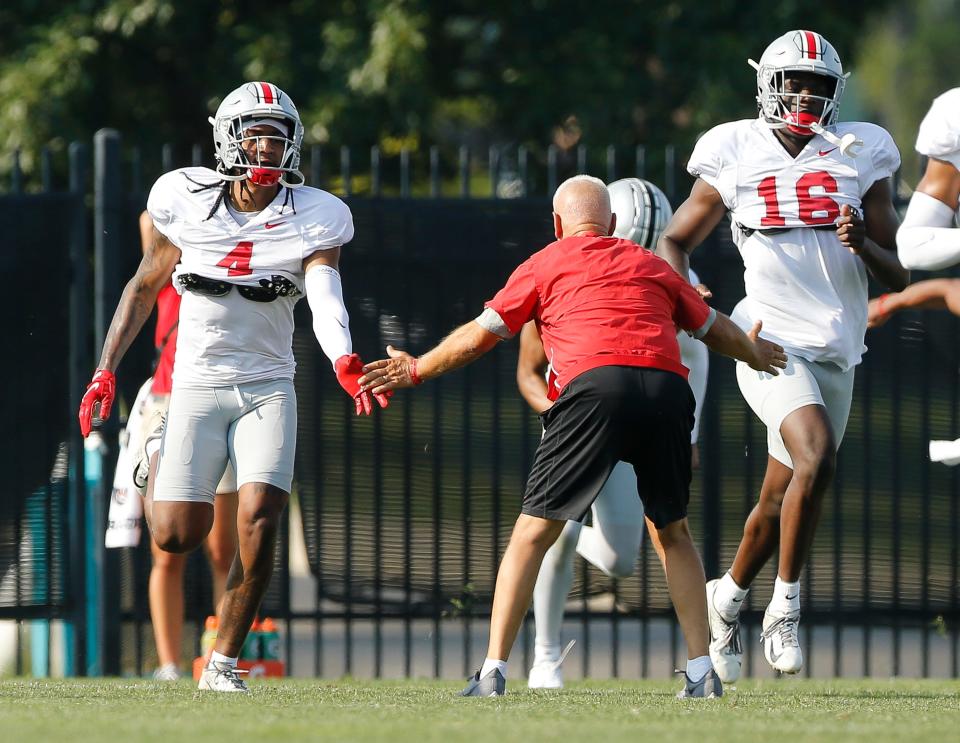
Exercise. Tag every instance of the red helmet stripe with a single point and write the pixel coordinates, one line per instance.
(811, 44)
(267, 92)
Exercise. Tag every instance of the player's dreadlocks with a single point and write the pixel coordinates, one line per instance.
(224, 186)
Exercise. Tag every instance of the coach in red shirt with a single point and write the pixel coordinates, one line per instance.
(607, 312)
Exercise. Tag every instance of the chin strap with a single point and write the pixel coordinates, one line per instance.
(849, 144)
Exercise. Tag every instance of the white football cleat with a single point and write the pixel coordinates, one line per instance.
(726, 651)
(781, 642)
(222, 677)
(546, 674)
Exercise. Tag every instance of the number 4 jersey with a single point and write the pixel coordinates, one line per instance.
(809, 290)
(229, 339)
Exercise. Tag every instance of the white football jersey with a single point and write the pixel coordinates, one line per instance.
(230, 340)
(939, 134)
(809, 290)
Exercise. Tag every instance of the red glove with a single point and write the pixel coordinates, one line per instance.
(349, 370)
(100, 393)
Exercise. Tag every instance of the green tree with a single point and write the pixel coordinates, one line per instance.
(907, 57)
(394, 72)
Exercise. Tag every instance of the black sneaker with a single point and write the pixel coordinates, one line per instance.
(491, 685)
(709, 687)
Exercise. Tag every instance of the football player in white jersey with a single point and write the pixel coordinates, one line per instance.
(928, 238)
(244, 243)
(795, 182)
(613, 540)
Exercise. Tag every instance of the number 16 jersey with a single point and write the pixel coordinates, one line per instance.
(232, 340)
(806, 287)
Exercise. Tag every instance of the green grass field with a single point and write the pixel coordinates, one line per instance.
(596, 712)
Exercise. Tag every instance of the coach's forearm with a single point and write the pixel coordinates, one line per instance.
(725, 337)
(465, 344)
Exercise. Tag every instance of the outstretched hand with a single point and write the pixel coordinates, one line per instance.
(767, 355)
(348, 369)
(397, 372)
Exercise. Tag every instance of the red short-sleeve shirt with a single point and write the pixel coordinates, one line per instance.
(601, 301)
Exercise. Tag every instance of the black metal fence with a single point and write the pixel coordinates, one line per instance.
(405, 515)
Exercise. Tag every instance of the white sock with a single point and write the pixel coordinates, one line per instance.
(216, 657)
(550, 594)
(729, 597)
(786, 598)
(490, 664)
(698, 667)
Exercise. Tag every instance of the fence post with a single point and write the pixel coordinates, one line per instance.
(375, 171)
(434, 172)
(80, 367)
(464, 172)
(345, 175)
(103, 583)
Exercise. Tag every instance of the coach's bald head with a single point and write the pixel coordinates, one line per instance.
(582, 204)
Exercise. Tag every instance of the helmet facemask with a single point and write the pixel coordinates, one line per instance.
(781, 109)
(234, 164)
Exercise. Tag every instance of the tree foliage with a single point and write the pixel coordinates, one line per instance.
(908, 57)
(395, 72)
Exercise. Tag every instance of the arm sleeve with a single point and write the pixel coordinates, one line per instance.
(939, 133)
(696, 358)
(330, 230)
(927, 239)
(515, 303)
(331, 323)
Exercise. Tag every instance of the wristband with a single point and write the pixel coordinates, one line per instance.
(414, 377)
(880, 300)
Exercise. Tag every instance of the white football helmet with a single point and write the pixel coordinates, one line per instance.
(251, 104)
(798, 51)
(642, 210)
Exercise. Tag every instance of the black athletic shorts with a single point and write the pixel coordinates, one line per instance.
(609, 414)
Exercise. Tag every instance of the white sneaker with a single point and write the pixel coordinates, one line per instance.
(726, 652)
(167, 672)
(781, 643)
(546, 674)
(141, 464)
(222, 677)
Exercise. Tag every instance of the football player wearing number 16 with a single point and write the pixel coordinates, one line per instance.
(795, 183)
(244, 243)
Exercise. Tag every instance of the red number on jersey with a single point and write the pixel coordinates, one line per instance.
(808, 204)
(237, 261)
(768, 192)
